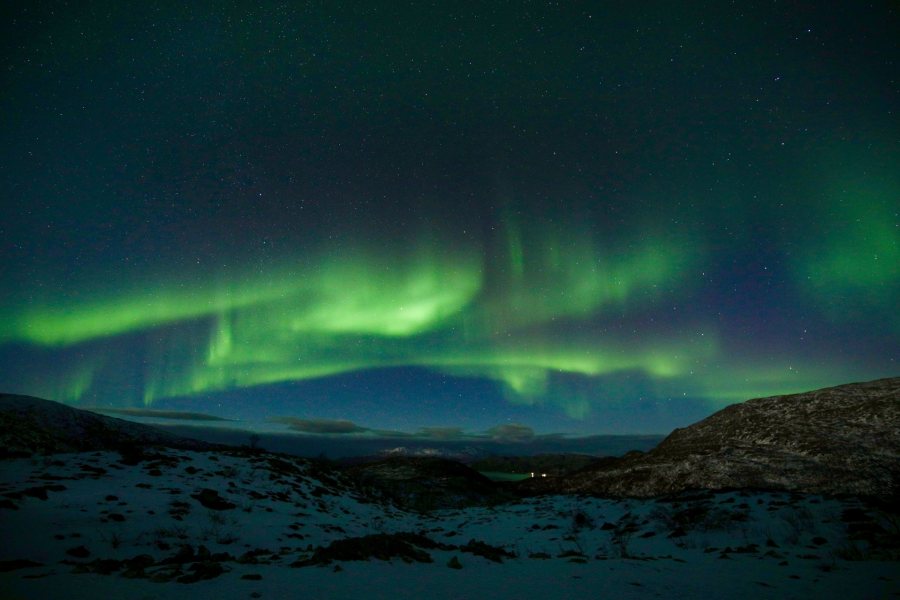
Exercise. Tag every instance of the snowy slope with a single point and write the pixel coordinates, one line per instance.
(242, 525)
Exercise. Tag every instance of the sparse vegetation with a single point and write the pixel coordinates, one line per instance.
(172, 532)
(408, 547)
(113, 538)
(582, 520)
(798, 521)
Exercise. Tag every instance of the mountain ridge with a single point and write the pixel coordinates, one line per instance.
(30, 425)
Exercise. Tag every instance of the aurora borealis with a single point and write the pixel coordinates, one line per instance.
(583, 218)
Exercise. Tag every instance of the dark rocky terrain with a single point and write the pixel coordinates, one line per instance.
(839, 440)
(31, 425)
(430, 483)
(551, 464)
(127, 520)
(241, 523)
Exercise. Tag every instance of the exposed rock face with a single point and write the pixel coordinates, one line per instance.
(34, 426)
(840, 440)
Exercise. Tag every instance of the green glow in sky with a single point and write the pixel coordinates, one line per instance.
(441, 308)
(479, 213)
(727, 382)
(354, 310)
(565, 273)
(88, 316)
(853, 273)
(351, 295)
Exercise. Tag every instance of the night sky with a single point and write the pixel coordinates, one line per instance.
(610, 217)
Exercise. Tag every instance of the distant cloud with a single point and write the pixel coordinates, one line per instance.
(506, 433)
(333, 426)
(391, 434)
(441, 433)
(155, 414)
(511, 432)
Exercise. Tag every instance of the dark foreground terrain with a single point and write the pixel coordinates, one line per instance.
(138, 515)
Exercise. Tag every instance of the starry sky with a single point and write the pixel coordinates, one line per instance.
(573, 217)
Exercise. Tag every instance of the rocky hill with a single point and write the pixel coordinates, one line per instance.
(839, 440)
(31, 425)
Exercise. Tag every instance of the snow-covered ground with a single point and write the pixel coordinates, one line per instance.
(93, 527)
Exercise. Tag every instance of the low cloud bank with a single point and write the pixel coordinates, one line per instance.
(506, 433)
(322, 426)
(150, 413)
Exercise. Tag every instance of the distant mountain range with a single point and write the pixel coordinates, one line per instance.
(351, 446)
(839, 440)
(463, 454)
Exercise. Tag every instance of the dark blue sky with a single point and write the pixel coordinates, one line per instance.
(583, 218)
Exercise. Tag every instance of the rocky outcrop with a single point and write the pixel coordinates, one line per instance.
(839, 440)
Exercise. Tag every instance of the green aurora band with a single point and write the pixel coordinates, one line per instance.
(602, 215)
(853, 272)
(466, 312)
(431, 308)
